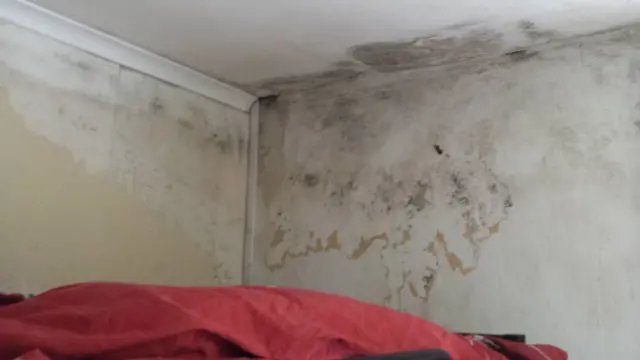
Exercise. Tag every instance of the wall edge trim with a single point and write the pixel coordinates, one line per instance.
(251, 194)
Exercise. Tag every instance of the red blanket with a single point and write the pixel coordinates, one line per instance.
(124, 321)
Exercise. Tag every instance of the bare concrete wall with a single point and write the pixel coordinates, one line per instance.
(496, 196)
(110, 175)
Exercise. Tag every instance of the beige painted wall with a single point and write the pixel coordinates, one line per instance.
(498, 196)
(110, 175)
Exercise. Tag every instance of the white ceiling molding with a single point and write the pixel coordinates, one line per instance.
(70, 32)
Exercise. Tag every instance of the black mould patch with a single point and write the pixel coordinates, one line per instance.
(427, 51)
(521, 55)
(438, 149)
(310, 180)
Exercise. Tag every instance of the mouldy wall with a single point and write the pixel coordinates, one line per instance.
(110, 175)
(500, 196)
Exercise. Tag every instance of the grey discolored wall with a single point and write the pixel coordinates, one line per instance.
(493, 195)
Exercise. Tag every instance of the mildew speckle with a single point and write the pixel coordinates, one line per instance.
(531, 31)
(82, 65)
(224, 143)
(186, 124)
(304, 82)
(156, 106)
(342, 110)
(418, 197)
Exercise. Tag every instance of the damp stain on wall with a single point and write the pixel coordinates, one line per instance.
(76, 226)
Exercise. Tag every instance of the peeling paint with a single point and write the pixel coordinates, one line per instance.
(428, 281)
(365, 244)
(452, 259)
(332, 243)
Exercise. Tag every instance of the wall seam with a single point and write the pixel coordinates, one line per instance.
(251, 193)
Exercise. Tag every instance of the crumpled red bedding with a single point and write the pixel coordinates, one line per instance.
(110, 321)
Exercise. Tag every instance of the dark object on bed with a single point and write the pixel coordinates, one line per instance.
(9, 299)
(522, 339)
(411, 355)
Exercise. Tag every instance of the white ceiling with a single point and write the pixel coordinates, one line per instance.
(248, 41)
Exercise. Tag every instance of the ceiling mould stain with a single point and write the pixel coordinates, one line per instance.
(453, 46)
(427, 51)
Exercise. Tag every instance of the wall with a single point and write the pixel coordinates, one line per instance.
(107, 174)
(494, 196)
